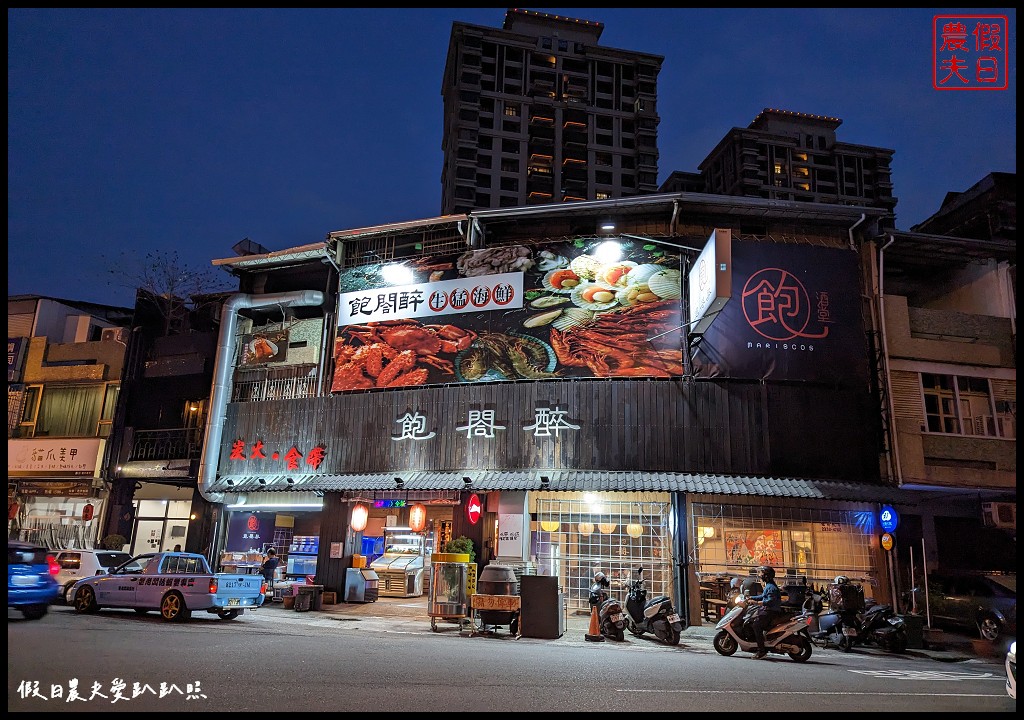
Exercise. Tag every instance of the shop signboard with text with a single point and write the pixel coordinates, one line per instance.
(512, 313)
(57, 457)
(794, 314)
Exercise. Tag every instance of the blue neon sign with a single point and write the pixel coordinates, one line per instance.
(889, 518)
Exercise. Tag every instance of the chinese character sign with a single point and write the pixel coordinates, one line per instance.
(563, 312)
(971, 52)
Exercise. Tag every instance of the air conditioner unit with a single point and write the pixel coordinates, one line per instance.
(999, 514)
(115, 334)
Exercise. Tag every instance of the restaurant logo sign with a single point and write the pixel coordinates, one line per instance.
(474, 509)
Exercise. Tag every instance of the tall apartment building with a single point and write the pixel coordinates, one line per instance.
(785, 155)
(537, 112)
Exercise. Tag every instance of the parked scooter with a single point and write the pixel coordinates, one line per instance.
(841, 626)
(882, 627)
(788, 635)
(656, 616)
(609, 610)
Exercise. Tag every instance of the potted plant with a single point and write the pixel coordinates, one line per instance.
(463, 545)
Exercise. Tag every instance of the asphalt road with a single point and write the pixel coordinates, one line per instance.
(273, 661)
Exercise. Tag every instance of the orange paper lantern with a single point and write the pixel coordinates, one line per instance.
(360, 513)
(418, 517)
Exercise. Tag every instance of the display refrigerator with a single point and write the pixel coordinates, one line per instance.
(302, 556)
(401, 568)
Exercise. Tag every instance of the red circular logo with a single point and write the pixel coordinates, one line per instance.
(253, 523)
(474, 509)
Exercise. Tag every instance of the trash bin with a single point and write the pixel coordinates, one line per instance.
(915, 631)
(310, 597)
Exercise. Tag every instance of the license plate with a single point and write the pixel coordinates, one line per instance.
(234, 601)
(673, 618)
(850, 632)
(25, 579)
(617, 617)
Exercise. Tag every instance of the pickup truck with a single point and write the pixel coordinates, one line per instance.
(175, 583)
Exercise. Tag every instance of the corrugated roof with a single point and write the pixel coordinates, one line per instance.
(570, 481)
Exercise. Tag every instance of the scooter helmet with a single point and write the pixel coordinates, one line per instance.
(600, 577)
(766, 573)
(841, 580)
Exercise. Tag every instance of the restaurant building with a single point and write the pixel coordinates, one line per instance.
(608, 384)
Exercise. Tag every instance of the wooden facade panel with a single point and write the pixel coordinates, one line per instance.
(703, 427)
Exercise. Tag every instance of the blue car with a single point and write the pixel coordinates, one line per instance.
(31, 581)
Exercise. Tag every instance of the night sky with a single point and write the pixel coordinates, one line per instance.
(132, 131)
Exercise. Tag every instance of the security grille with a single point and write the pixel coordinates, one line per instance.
(576, 537)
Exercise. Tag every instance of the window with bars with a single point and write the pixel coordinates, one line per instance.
(575, 537)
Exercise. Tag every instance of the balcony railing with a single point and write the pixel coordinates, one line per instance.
(287, 383)
(168, 444)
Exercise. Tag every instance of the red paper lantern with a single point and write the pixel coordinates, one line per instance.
(360, 514)
(418, 517)
(87, 512)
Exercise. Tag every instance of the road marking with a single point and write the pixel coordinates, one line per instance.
(925, 675)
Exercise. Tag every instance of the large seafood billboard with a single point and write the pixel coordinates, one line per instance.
(525, 312)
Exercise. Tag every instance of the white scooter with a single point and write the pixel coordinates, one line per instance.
(788, 635)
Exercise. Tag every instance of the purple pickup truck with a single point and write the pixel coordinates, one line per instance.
(175, 583)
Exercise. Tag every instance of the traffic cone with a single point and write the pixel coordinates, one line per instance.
(595, 627)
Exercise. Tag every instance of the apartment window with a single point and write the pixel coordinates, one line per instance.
(600, 195)
(963, 405)
(508, 201)
(482, 181)
(483, 200)
(508, 165)
(483, 161)
(603, 177)
(512, 110)
(76, 411)
(563, 45)
(603, 159)
(510, 184)
(545, 43)
(511, 147)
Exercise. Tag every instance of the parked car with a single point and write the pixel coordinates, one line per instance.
(76, 564)
(1011, 671)
(984, 602)
(175, 583)
(31, 585)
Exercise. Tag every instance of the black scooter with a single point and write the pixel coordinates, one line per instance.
(656, 616)
(609, 610)
(881, 626)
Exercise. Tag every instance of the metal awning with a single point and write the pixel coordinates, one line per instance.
(570, 481)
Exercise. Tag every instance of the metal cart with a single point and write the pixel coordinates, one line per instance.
(449, 580)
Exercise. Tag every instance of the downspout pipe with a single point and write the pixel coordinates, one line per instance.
(227, 343)
(893, 432)
(863, 217)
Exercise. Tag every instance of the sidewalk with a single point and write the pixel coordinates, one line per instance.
(412, 615)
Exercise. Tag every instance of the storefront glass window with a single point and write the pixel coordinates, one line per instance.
(816, 544)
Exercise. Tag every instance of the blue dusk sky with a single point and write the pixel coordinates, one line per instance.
(187, 130)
